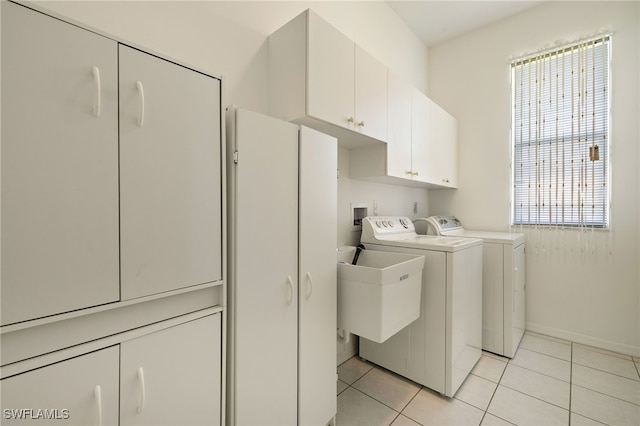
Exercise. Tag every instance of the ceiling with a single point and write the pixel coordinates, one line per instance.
(436, 21)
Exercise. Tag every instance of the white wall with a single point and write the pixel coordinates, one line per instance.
(594, 300)
(228, 39)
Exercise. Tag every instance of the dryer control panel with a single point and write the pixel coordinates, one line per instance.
(439, 225)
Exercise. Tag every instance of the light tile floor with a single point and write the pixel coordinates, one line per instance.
(548, 382)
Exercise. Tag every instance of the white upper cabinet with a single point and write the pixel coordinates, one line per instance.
(371, 99)
(420, 127)
(330, 73)
(442, 156)
(320, 78)
(399, 145)
(59, 167)
(422, 147)
(170, 174)
(111, 170)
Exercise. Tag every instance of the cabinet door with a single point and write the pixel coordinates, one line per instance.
(59, 167)
(370, 95)
(515, 325)
(170, 174)
(317, 291)
(443, 147)
(330, 74)
(80, 391)
(264, 271)
(173, 376)
(399, 139)
(419, 136)
(493, 303)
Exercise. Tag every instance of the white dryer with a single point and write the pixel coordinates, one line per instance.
(441, 347)
(503, 281)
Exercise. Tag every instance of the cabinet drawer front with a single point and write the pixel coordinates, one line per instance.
(65, 393)
(59, 167)
(178, 370)
(170, 176)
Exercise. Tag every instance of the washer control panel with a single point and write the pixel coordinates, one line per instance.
(387, 225)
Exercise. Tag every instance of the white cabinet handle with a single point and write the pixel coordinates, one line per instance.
(97, 105)
(409, 172)
(143, 390)
(350, 120)
(361, 123)
(415, 173)
(141, 93)
(97, 392)
(290, 283)
(310, 286)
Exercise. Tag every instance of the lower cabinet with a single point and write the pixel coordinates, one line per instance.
(172, 377)
(80, 391)
(167, 377)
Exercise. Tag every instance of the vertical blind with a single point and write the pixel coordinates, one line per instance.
(561, 136)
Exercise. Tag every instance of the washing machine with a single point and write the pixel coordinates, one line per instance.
(441, 347)
(503, 281)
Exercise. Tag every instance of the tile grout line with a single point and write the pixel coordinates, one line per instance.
(572, 354)
(606, 371)
(570, 344)
(381, 402)
(411, 400)
(572, 361)
(607, 395)
(378, 401)
(571, 385)
(547, 375)
(494, 392)
(540, 399)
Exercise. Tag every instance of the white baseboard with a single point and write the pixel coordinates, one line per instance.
(585, 340)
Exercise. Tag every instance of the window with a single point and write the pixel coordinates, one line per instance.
(560, 128)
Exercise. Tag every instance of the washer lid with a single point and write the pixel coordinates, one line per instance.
(399, 231)
(488, 236)
(427, 242)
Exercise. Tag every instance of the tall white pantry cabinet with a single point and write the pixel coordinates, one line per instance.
(282, 272)
(112, 231)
